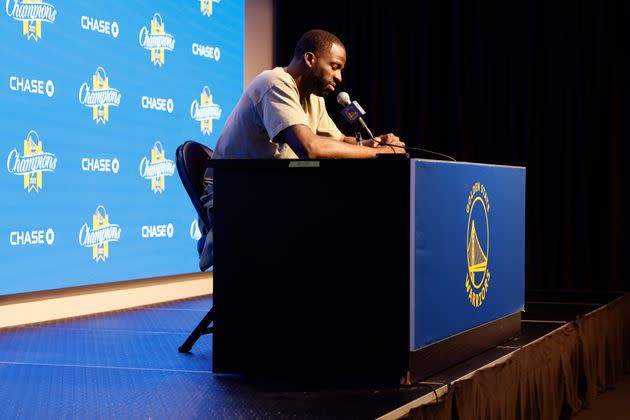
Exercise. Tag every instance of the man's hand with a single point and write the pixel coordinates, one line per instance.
(383, 141)
(308, 145)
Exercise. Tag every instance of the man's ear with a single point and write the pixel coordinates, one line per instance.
(309, 59)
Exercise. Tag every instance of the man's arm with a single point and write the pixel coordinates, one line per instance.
(348, 139)
(308, 145)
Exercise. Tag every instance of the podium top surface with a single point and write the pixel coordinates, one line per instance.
(385, 161)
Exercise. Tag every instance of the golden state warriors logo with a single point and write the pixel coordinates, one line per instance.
(32, 163)
(99, 235)
(205, 111)
(156, 40)
(206, 6)
(477, 244)
(32, 13)
(157, 168)
(100, 96)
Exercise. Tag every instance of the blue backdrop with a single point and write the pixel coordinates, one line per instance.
(94, 100)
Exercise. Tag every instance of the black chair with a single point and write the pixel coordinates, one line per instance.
(191, 159)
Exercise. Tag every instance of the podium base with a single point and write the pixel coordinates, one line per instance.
(435, 357)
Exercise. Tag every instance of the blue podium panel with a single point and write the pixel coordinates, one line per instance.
(467, 247)
(94, 100)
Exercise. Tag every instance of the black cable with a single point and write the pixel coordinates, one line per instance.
(433, 389)
(414, 148)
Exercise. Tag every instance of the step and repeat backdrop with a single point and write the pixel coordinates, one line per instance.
(95, 98)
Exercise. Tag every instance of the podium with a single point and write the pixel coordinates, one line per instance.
(382, 270)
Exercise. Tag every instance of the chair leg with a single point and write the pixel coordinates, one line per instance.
(201, 329)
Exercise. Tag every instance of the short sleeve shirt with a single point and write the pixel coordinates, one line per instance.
(270, 104)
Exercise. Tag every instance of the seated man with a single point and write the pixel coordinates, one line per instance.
(282, 114)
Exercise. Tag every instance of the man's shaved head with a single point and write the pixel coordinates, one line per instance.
(316, 41)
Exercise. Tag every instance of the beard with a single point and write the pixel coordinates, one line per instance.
(321, 85)
(320, 88)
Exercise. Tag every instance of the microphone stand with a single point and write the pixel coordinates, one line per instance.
(357, 134)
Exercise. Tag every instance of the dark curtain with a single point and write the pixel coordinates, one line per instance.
(549, 378)
(531, 83)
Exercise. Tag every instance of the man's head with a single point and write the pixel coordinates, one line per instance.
(323, 56)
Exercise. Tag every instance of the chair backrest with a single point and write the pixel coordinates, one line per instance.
(191, 159)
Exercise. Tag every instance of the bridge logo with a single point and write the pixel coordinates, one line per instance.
(31, 13)
(477, 245)
(156, 40)
(100, 96)
(157, 168)
(205, 110)
(195, 232)
(32, 163)
(99, 235)
(206, 6)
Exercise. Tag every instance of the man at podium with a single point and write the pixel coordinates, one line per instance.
(282, 115)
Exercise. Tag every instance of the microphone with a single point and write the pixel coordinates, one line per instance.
(352, 111)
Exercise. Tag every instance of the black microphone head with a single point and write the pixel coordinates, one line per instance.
(343, 99)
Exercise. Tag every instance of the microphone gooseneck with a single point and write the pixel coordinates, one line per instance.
(352, 111)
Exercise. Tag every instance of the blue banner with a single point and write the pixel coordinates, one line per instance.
(94, 100)
(469, 259)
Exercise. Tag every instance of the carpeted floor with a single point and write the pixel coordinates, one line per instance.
(126, 365)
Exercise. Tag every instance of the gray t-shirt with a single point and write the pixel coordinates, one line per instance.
(270, 104)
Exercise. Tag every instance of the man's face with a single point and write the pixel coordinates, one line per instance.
(326, 70)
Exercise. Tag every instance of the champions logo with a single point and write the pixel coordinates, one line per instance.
(99, 235)
(156, 40)
(206, 6)
(205, 111)
(157, 168)
(100, 96)
(32, 13)
(32, 163)
(477, 244)
(195, 232)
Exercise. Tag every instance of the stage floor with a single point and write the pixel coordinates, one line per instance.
(126, 365)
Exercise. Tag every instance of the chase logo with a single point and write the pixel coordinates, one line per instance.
(33, 86)
(206, 6)
(477, 244)
(100, 96)
(32, 237)
(157, 168)
(212, 53)
(101, 26)
(156, 40)
(157, 104)
(205, 111)
(157, 231)
(32, 163)
(92, 164)
(32, 13)
(99, 235)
